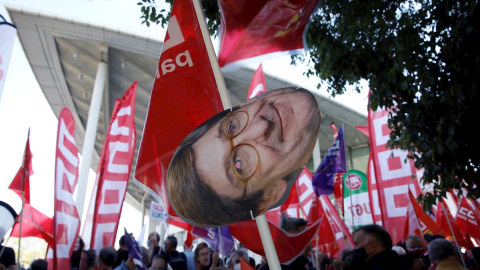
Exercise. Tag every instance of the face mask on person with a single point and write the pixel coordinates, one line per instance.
(148, 243)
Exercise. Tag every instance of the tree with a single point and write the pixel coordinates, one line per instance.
(421, 58)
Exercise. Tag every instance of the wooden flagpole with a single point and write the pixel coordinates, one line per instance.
(453, 234)
(262, 223)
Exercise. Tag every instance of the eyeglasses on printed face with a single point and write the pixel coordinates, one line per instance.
(244, 158)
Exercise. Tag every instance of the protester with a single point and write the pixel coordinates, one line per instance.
(77, 253)
(373, 249)
(7, 258)
(122, 252)
(414, 243)
(177, 260)
(159, 263)
(106, 258)
(346, 256)
(39, 264)
(444, 255)
(260, 149)
(202, 256)
(153, 244)
(236, 257)
(88, 260)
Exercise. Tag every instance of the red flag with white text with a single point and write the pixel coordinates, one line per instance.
(393, 175)
(184, 95)
(113, 172)
(335, 236)
(258, 85)
(66, 219)
(447, 222)
(21, 182)
(288, 246)
(34, 224)
(255, 28)
(467, 220)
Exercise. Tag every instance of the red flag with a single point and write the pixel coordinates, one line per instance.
(447, 222)
(184, 95)
(306, 195)
(335, 235)
(291, 205)
(364, 130)
(393, 175)
(427, 224)
(244, 265)
(21, 182)
(254, 28)
(313, 215)
(373, 193)
(34, 224)
(66, 220)
(467, 220)
(114, 171)
(258, 84)
(287, 246)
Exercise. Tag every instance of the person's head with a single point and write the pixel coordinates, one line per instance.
(399, 250)
(106, 257)
(39, 264)
(159, 262)
(237, 256)
(414, 260)
(170, 243)
(293, 225)
(414, 243)
(243, 161)
(371, 240)
(153, 238)
(121, 241)
(202, 254)
(440, 250)
(88, 260)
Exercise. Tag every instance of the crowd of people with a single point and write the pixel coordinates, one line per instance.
(373, 249)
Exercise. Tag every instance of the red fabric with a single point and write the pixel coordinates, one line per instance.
(449, 226)
(184, 95)
(189, 241)
(335, 236)
(287, 246)
(258, 85)
(313, 215)
(274, 216)
(114, 171)
(467, 220)
(364, 130)
(393, 175)
(21, 182)
(427, 224)
(373, 193)
(306, 194)
(254, 28)
(244, 265)
(34, 224)
(66, 219)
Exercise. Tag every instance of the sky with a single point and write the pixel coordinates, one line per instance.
(23, 105)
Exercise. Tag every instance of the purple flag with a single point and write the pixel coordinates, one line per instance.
(135, 252)
(334, 162)
(211, 236)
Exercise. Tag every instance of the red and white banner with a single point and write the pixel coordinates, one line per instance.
(34, 224)
(258, 85)
(21, 182)
(184, 95)
(335, 236)
(8, 32)
(113, 173)
(66, 220)
(467, 219)
(254, 28)
(393, 175)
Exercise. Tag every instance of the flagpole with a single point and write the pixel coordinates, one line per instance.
(267, 241)
(453, 234)
(220, 249)
(21, 220)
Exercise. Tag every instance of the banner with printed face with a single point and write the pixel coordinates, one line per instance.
(113, 172)
(66, 219)
(184, 95)
(255, 28)
(8, 32)
(394, 175)
(358, 211)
